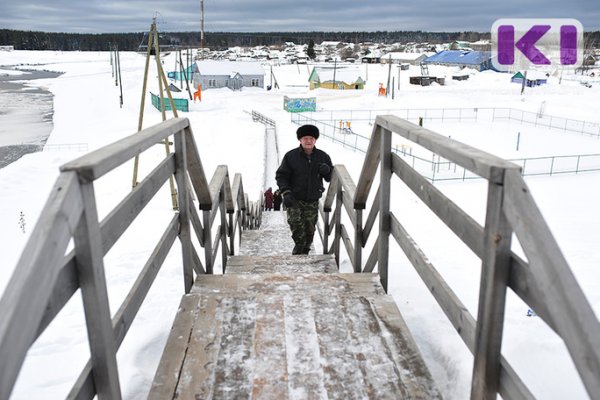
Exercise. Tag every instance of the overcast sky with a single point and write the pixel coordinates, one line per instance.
(106, 16)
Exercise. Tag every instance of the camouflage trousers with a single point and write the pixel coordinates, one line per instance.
(302, 220)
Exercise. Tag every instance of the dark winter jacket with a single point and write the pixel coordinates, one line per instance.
(299, 173)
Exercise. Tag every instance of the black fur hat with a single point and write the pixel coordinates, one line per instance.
(307, 130)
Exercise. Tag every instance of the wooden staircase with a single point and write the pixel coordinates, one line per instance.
(279, 326)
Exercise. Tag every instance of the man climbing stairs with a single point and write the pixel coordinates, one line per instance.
(277, 326)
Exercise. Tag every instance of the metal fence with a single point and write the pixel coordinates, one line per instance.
(433, 167)
(478, 114)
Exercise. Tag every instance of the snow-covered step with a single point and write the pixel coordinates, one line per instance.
(281, 264)
(294, 336)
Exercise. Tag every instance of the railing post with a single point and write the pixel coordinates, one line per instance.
(90, 268)
(223, 230)
(384, 205)
(231, 232)
(337, 216)
(326, 232)
(495, 268)
(184, 212)
(207, 241)
(358, 244)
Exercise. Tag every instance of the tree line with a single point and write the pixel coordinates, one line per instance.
(31, 40)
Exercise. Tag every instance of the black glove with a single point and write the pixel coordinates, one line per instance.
(324, 169)
(289, 200)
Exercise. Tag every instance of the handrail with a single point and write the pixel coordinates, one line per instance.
(545, 282)
(70, 214)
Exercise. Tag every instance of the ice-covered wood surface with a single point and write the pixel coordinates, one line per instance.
(290, 327)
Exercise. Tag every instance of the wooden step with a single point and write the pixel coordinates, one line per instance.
(290, 336)
(281, 264)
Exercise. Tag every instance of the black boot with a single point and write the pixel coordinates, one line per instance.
(297, 250)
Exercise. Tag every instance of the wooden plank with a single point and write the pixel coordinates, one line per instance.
(183, 197)
(249, 264)
(369, 169)
(347, 244)
(121, 217)
(167, 375)
(123, 319)
(384, 205)
(371, 218)
(217, 181)
(372, 260)
(465, 227)
(97, 163)
(90, 265)
(237, 192)
(457, 313)
(196, 171)
(248, 284)
(208, 258)
(455, 310)
(495, 269)
(22, 308)
(65, 286)
(522, 281)
(573, 317)
(197, 225)
(471, 158)
(347, 202)
(414, 381)
(269, 376)
(332, 190)
(358, 243)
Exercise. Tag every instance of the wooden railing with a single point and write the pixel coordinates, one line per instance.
(545, 283)
(71, 213)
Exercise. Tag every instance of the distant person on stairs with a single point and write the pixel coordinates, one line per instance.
(269, 199)
(300, 180)
(277, 200)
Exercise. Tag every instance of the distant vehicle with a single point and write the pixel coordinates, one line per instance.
(586, 84)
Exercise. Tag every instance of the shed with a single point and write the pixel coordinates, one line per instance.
(403, 58)
(534, 78)
(478, 60)
(336, 78)
(230, 74)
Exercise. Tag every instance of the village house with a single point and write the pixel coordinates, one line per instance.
(403, 58)
(478, 60)
(336, 78)
(233, 75)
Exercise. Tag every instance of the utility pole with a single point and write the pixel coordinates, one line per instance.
(162, 83)
(202, 29)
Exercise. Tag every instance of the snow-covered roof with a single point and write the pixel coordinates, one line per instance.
(347, 75)
(210, 67)
(397, 55)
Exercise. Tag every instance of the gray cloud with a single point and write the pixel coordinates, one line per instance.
(95, 16)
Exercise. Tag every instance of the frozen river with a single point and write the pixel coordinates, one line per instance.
(25, 114)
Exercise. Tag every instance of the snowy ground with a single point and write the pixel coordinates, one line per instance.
(86, 110)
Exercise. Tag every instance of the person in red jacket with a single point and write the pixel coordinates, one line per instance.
(300, 179)
(269, 199)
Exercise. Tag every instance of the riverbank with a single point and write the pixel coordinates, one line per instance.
(26, 112)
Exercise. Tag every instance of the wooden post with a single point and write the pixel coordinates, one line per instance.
(384, 204)
(207, 241)
(326, 232)
(223, 230)
(184, 213)
(337, 217)
(495, 268)
(358, 244)
(90, 268)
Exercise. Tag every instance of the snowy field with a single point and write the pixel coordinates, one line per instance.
(87, 110)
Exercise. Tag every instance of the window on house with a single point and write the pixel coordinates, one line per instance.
(255, 82)
(212, 83)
